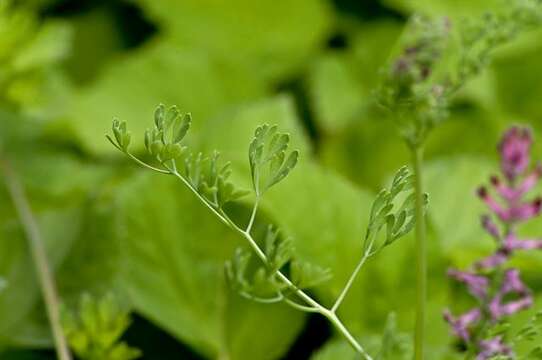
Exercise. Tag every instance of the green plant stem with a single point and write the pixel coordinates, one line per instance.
(314, 306)
(350, 282)
(421, 256)
(253, 215)
(39, 256)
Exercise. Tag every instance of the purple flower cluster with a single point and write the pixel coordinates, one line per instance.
(499, 291)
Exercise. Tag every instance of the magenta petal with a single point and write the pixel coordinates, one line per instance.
(512, 284)
(460, 326)
(493, 261)
(502, 213)
(513, 243)
(525, 211)
(491, 227)
(514, 149)
(508, 193)
(492, 347)
(477, 284)
(529, 182)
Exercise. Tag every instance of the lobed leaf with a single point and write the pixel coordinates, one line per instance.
(267, 157)
(306, 275)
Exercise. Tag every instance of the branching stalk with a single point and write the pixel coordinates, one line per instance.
(313, 305)
(39, 256)
(253, 215)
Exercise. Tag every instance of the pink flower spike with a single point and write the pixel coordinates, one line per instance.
(477, 284)
(460, 326)
(514, 148)
(492, 347)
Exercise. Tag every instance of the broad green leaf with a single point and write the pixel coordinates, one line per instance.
(269, 38)
(336, 97)
(130, 88)
(174, 255)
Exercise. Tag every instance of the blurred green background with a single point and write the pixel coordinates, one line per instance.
(68, 67)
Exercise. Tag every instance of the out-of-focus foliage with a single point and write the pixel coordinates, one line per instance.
(309, 66)
(94, 329)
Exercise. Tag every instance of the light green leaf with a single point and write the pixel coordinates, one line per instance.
(257, 35)
(130, 88)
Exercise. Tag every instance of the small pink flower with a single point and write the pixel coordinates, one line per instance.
(515, 212)
(513, 243)
(492, 347)
(493, 261)
(460, 326)
(491, 227)
(477, 284)
(512, 285)
(515, 148)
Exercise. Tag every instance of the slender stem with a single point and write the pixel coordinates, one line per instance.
(253, 215)
(421, 256)
(350, 282)
(39, 256)
(144, 164)
(332, 317)
(202, 199)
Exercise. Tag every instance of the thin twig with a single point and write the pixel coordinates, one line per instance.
(350, 282)
(39, 256)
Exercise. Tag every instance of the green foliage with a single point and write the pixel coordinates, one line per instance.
(94, 329)
(394, 345)
(210, 87)
(269, 163)
(235, 75)
(28, 50)
(58, 185)
(173, 270)
(306, 275)
(261, 39)
(398, 220)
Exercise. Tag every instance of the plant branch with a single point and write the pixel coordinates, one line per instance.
(253, 215)
(314, 306)
(421, 255)
(39, 256)
(144, 164)
(350, 282)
